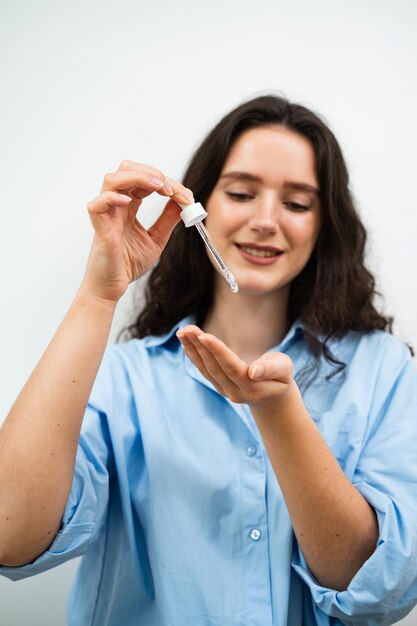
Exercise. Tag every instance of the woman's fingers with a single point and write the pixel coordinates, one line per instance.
(181, 193)
(155, 175)
(107, 200)
(122, 248)
(133, 179)
(142, 180)
(127, 187)
(212, 367)
(123, 192)
(161, 230)
(99, 207)
(154, 172)
(222, 358)
(257, 385)
(272, 366)
(193, 354)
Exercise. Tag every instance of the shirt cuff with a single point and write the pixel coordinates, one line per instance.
(384, 590)
(70, 542)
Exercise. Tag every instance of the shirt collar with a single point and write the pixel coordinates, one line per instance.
(294, 333)
(153, 341)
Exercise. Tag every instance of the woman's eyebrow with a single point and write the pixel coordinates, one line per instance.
(297, 186)
(242, 176)
(303, 187)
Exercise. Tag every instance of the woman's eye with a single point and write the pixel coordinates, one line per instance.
(239, 197)
(295, 206)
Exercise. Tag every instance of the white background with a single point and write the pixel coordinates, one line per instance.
(87, 84)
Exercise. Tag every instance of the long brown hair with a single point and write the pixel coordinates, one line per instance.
(332, 295)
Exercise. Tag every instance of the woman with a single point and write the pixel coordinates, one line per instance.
(252, 477)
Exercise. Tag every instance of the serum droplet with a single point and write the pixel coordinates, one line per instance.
(231, 280)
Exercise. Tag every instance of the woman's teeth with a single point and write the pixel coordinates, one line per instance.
(261, 253)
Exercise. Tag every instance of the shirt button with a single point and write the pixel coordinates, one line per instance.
(251, 450)
(255, 534)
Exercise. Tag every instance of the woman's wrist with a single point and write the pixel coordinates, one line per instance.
(283, 407)
(88, 300)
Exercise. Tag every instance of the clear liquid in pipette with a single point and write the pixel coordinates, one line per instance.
(227, 273)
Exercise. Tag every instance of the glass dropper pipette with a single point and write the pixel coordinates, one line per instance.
(217, 256)
(192, 215)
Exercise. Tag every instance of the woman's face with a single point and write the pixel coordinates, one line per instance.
(264, 212)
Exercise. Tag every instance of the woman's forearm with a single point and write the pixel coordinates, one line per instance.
(38, 440)
(334, 525)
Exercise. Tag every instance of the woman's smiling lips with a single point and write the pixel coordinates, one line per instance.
(260, 255)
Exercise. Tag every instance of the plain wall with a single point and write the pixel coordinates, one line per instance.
(87, 84)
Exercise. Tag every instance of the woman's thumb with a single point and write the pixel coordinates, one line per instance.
(256, 370)
(271, 366)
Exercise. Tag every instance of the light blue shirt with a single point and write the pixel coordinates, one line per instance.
(178, 511)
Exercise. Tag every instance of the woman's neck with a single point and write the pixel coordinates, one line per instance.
(248, 324)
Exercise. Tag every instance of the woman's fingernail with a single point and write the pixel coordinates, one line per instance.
(157, 182)
(168, 188)
(258, 370)
(188, 194)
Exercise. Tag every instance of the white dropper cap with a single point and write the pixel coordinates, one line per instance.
(192, 213)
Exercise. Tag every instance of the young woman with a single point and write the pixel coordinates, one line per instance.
(244, 458)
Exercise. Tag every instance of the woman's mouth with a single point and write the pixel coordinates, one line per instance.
(265, 255)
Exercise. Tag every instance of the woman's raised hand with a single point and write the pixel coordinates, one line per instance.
(122, 248)
(262, 385)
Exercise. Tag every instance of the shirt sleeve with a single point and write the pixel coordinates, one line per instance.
(85, 512)
(384, 590)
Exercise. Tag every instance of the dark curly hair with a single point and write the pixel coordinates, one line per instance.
(332, 295)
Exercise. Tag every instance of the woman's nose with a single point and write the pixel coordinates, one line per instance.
(265, 218)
